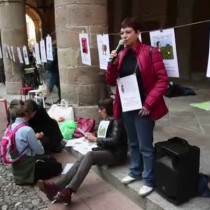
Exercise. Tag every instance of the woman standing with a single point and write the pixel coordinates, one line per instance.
(140, 69)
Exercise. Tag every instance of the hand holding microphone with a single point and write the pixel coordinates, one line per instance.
(114, 53)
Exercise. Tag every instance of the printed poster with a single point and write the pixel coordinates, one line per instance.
(6, 51)
(103, 50)
(208, 67)
(49, 48)
(1, 56)
(102, 128)
(25, 55)
(20, 57)
(9, 52)
(37, 54)
(13, 54)
(43, 51)
(165, 42)
(85, 48)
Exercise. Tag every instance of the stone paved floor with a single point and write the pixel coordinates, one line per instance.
(17, 197)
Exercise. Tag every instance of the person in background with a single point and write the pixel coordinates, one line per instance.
(111, 150)
(146, 64)
(30, 167)
(52, 74)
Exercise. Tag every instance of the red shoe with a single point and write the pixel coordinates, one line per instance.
(64, 196)
(48, 188)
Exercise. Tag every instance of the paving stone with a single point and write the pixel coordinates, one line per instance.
(5, 207)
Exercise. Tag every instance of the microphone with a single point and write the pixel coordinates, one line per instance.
(118, 49)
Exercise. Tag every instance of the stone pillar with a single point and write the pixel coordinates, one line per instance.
(13, 33)
(183, 37)
(82, 85)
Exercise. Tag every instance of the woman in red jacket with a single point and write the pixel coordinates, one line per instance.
(141, 104)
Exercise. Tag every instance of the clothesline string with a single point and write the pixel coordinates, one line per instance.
(161, 29)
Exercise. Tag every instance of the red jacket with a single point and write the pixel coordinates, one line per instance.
(154, 78)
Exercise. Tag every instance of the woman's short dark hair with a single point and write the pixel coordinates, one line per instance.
(106, 103)
(131, 22)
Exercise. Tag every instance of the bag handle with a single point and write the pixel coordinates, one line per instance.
(178, 140)
(64, 103)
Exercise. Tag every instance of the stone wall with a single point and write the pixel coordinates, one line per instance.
(82, 85)
(13, 33)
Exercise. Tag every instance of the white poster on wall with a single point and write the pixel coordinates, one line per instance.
(43, 51)
(25, 55)
(20, 57)
(166, 44)
(13, 54)
(103, 50)
(37, 54)
(9, 52)
(1, 56)
(49, 48)
(6, 51)
(208, 67)
(85, 48)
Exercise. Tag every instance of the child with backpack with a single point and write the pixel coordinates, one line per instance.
(30, 167)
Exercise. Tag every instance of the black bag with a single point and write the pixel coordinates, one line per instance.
(46, 168)
(176, 170)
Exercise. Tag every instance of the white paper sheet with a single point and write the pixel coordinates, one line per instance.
(103, 50)
(208, 67)
(43, 51)
(85, 48)
(129, 93)
(67, 168)
(20, 55)
(81, 145)
(25, 55)
(49, 48)
(74, 142)
(102, 128)
(166, 44)
(37, 54)
(9, 52)
(1, 56)
(13, 54)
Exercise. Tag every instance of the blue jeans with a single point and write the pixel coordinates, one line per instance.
(140, 136)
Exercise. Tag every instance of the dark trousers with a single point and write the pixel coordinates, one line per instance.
(75, 176)
(140, 135)
(47, 169)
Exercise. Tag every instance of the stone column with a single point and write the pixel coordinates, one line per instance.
(82, 85)
(13, 33)
(183, 37)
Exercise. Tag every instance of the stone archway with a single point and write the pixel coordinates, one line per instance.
(34, 15)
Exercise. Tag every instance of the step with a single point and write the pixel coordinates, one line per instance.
(154, 201)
